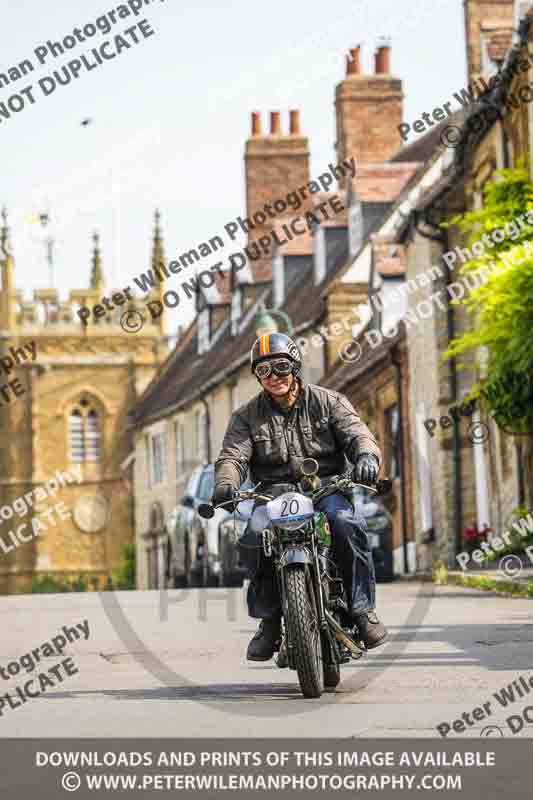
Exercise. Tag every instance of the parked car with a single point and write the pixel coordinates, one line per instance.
(193, 554)
(379, 524)
(232, 571)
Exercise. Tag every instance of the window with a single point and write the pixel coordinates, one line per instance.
(84, 434)
(180, 448)
(201, 436)
(158, 454)
(203, 331)
(236, 310)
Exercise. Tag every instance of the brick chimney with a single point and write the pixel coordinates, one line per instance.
(276, 164)
(489, 28)
(369, 109)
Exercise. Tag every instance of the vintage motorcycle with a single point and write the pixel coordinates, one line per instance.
(315, 639)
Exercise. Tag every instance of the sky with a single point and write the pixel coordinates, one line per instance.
(171, 114)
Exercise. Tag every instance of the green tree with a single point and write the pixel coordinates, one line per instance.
(501, 305)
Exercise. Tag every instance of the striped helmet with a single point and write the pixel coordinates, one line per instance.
(274, 345)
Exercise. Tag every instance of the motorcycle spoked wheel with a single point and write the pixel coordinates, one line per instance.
(304, 633)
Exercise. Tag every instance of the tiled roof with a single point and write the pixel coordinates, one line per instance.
(186, 373)
(341, 373)
(424, 147)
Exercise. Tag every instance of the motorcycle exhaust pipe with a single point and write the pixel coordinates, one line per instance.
(343, 638)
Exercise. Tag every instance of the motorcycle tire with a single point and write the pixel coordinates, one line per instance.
(304, 633)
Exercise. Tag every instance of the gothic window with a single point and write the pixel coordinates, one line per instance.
(84, 433)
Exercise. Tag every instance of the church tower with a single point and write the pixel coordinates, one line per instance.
(64, 426)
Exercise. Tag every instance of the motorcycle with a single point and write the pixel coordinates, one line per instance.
(316, 639)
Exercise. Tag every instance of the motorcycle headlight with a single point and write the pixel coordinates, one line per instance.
(377, 523)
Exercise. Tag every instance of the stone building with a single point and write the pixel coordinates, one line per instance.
(459, 478)
(70, 413)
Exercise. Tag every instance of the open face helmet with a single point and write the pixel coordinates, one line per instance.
(278, 353)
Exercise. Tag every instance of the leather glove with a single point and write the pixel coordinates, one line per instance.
(366, 469)
(223, 494)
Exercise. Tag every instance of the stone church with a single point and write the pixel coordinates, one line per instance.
(66, 390)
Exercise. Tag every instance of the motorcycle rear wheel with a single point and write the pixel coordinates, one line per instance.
(304, 633)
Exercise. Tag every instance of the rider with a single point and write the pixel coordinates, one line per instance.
(271, 435)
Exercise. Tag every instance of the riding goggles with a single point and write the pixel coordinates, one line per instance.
(280, 367)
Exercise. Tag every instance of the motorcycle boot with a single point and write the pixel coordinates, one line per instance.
(372, 632)
(266, 641)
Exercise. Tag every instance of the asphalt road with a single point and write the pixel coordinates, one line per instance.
(172, 664)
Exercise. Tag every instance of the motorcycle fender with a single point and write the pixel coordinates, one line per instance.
(295, 555)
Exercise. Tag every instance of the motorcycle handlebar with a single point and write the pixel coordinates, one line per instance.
(206, 510)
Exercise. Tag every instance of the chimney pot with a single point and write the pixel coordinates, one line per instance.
(295, 122)
(383, 59)
(275, 123)
(353, 65)
(256, 123)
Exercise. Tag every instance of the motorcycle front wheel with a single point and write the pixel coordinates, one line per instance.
(304, 632)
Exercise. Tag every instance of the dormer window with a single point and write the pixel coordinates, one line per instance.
(204, 319)
(236, 310)
(355, 227)
(319, 255)
(278, 279)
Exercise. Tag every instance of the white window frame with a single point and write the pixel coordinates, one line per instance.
(319, 255)
(179, 440)
(201, 435)
(236, 310)
(203, 331)
(157, 474)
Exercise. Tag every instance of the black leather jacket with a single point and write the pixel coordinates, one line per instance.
(322, 424)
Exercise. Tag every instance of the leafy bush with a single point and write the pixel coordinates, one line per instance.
(46, 584)
(502, 307)
(125, 575)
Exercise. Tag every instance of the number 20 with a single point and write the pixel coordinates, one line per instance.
(284, 512)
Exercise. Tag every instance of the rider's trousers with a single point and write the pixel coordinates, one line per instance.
(352, 554)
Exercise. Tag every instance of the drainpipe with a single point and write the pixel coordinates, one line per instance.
(442, 238)
(520, 475)
(396, 361)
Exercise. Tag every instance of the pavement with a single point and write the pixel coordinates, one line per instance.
(172, 664)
